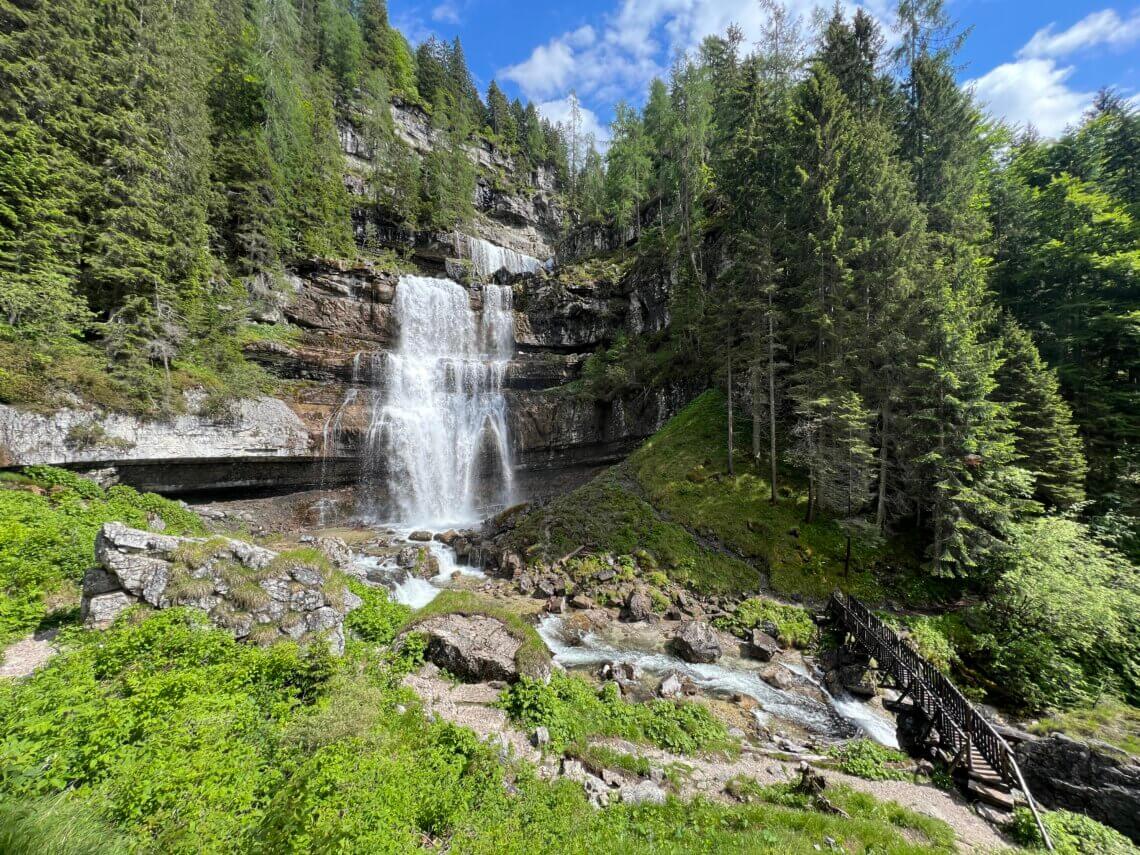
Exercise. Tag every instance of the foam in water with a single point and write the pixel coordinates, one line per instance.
(415, 591)
(488, 259)
(438, 429)
(840, 718)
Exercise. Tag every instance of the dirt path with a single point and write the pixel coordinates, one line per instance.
(470, 706)
(28, 654)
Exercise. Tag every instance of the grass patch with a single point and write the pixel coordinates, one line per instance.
(1111, 721)
(573, 710)
(683, 470)
(532, 657)
(48, 521)
(794, 625)
(599, 757)
(1071, 833)
(605, 516)
(185, 741)
(860, 806)
(865, 758)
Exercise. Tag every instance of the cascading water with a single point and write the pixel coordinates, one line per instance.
(437, 433)
(488, 259)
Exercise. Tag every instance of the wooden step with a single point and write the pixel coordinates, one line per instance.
(989, 795)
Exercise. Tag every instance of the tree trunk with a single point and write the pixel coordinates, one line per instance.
(772, 396)
(881, 512)
(757, 416)
(730, 415)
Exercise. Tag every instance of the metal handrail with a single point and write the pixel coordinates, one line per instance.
(957, 720)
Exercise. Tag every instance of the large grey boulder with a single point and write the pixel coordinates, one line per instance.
(763, 646)
(638, 606)
(696, 641)
(254, 593)
(1090, 778)
(475, 648)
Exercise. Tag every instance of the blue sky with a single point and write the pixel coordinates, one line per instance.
(1029, 61)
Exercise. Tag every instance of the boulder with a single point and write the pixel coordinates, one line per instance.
(581, 601)
(638, 606)
(642, 792)
(556, 605)
(675, 685)
(240, 586)
(475, 648)
(335, 550)
(696, 641)
(420, 536)
(762, 646)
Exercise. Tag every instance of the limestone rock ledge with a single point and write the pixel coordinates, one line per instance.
(256, 427)
(254, 593)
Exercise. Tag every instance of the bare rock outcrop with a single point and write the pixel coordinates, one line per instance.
(696, 641)
(476, 648)
(256, 594)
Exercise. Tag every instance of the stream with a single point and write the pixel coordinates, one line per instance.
(841, 717)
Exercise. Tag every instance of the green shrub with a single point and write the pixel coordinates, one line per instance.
(59, 825)
(1071, 834)
(865, 758)
(47, 539)
(572, 710)
(378, 618)
(794, 625)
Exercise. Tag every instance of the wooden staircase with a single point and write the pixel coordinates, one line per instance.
(969, 742)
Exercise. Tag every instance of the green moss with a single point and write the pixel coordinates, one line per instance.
(48, 522)
(532, 657)
(1111, 721)
(801, 558)
(606, 516)
(598, 757)
(794, 625)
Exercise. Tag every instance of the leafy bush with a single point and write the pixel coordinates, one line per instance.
(1071, 833)
(48, 525)
(1062, 626)
(865, 758)
(572, 710)
(794, 626)
(378, 618)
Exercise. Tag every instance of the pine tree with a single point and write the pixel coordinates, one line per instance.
(1047, 442)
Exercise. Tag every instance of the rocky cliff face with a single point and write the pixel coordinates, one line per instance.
(519, 208)
(329, 380)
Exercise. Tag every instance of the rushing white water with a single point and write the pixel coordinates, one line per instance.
(416, 591)
(840, 718)
(488, 259)
(438, 428)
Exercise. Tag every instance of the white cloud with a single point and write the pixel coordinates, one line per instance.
(558, 110)
(1094, 30)
(446, 13)
(636, 42)
(1032, 92)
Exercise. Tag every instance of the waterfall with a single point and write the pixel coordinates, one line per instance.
(438, 433)
(488, 259)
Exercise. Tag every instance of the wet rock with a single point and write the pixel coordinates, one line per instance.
(556, 605)
(675, 685)
(545, 588)
(475, 648)
(696, 641)
(447, 538)
(638, 606)
(581, 601)
(778, 677)
(420, 536)
(762, 646)
(577, 625)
